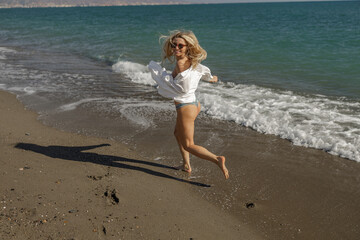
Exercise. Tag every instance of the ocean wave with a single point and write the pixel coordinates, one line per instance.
(308, 121)
(316, 121)
(136, 72)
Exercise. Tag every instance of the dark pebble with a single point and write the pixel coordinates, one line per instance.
(73, 211)
(250, 205)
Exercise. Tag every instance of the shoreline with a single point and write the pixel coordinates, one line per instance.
(59, 184)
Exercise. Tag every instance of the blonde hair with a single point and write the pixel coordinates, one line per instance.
(195, 52)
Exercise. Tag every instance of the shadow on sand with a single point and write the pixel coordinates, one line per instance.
(77, 154)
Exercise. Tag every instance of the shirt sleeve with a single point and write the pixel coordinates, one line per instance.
(206, 73)
(156, 71)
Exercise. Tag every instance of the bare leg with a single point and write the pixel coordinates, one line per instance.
(185, 154)
(185, 135)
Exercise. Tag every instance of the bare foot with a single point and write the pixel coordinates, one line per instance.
(184, 167)
(221, 164)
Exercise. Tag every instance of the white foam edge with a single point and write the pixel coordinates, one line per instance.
(136, 72)
(4, 50)
(126, 109)
(313, 122)
(26, 90)
(7, 50)
(74, 105)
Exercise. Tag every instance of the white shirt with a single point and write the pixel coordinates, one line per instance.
(181, 88)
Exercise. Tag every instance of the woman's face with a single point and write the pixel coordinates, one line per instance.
(179, 47)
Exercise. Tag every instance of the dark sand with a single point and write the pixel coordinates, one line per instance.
(52, 188)
(58, 185)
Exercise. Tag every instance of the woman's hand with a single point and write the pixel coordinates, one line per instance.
(214, 79)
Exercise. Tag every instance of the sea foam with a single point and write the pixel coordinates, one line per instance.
(136, 72)
(4, 51)
(313, 121)
(309, 121)
(74, 105)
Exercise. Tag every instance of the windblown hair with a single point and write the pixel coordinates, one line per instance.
(195, 52)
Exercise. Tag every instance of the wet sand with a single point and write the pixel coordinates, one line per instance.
(59, 185)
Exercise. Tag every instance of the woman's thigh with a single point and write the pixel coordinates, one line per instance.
(188, 112)
(185, 123)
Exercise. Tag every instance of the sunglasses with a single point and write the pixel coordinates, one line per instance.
(180, 46)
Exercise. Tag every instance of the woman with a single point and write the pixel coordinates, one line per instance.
(183, 48)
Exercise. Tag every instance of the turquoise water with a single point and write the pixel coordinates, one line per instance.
(287, 69)
(304, 47)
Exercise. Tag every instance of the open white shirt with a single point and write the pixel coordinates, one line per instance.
(181, 88)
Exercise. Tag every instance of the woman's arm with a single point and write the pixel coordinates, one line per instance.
(212, 79)
(206, 74)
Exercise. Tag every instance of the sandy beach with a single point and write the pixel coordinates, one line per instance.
(59, 185)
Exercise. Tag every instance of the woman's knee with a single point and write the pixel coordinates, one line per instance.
(187, 145)
(187, 148)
